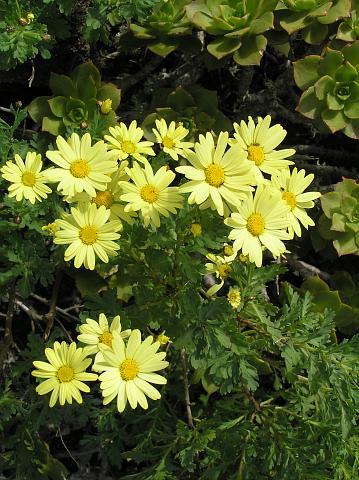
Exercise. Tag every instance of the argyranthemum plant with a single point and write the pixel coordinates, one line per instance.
(82, 166)
(126, 142)
(150, 193)
(89, 234)
(109, 198)
(261, 221)
(27, 179)
(95, 333)
(128, 371)
(258, 143)
(218, 179)
(170, 138)
(234, 297)
(291, 186)
(65, 373)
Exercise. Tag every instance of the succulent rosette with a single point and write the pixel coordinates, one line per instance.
(312, 17)
(238, 26)
(340, 222)
(330, 84)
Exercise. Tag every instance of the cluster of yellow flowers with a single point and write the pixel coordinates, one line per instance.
(124, 364)
(244, 178)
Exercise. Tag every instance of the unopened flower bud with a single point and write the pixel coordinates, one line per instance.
(46, 37)
(83, 125)
(18, 104)
(30, 17)
(23, 22)
(106, 106)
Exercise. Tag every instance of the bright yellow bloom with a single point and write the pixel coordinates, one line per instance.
(291, 187)
(50, 228)
(218, 179)
(65, 373)
(106, 106)
(27, 179)
(258, 142)
(150, 193)
(82, 167)
(196, 229)
(99, 333)
(163, 339)
(170, 137)
(30, 17)
(126, 142)
(89, 234)
(260, 221)
(128, 371)
(109, 198)
(234, 297)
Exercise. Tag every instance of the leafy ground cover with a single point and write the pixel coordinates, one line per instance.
(179, 231)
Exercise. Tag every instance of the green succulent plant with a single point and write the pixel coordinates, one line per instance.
(341, 296)
(340, 221)
(165, 30)
(238, 26)
(348, 30)
(76, 101)
(312, 17)
(194, 106)
(331, 89)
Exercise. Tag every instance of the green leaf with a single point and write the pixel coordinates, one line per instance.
(86, 89)
(85, 71)
(39, 108)
(339, 9)
(309, 105)
(330, 62)
(346, 33)
(251, 50)
(330, 203)
(323, 86)
(351, 109)
(346, 73)
(53, 125)
(334, 103)
(222, 46)
(164, 48)
(62, 86)
(110, 91)
(314, 33)
(58, 106)
(351, 53)
(335, 120)
(352, 129)
(345, 244)
(306, 71)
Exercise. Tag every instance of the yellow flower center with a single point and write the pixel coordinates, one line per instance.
(103, 198)
(168, 142)
(128, 147)
(106, 338)
(255, 224)
(28, 179)
(214, 175)
(234, 298)
(129, 369)
(228, 250)
(65, 374)
(79, 169)
(256, 154)
(149, 193)
(224, 270)
(290, 198)
(196, 229)
(88, 235)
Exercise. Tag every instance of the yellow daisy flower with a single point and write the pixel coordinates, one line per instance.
(170, 137)
(89, 234)
(150, 194)
(196, 229)
(127, 142)
(234, 297)
(109, 198)
(261, 220)
(82, 167)
(221, 268)
(218, 179)
(65, 373)
(27, 179)
(98, 333)
(128, 371)
(259, 143)
(50, 228)
(291, 186)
